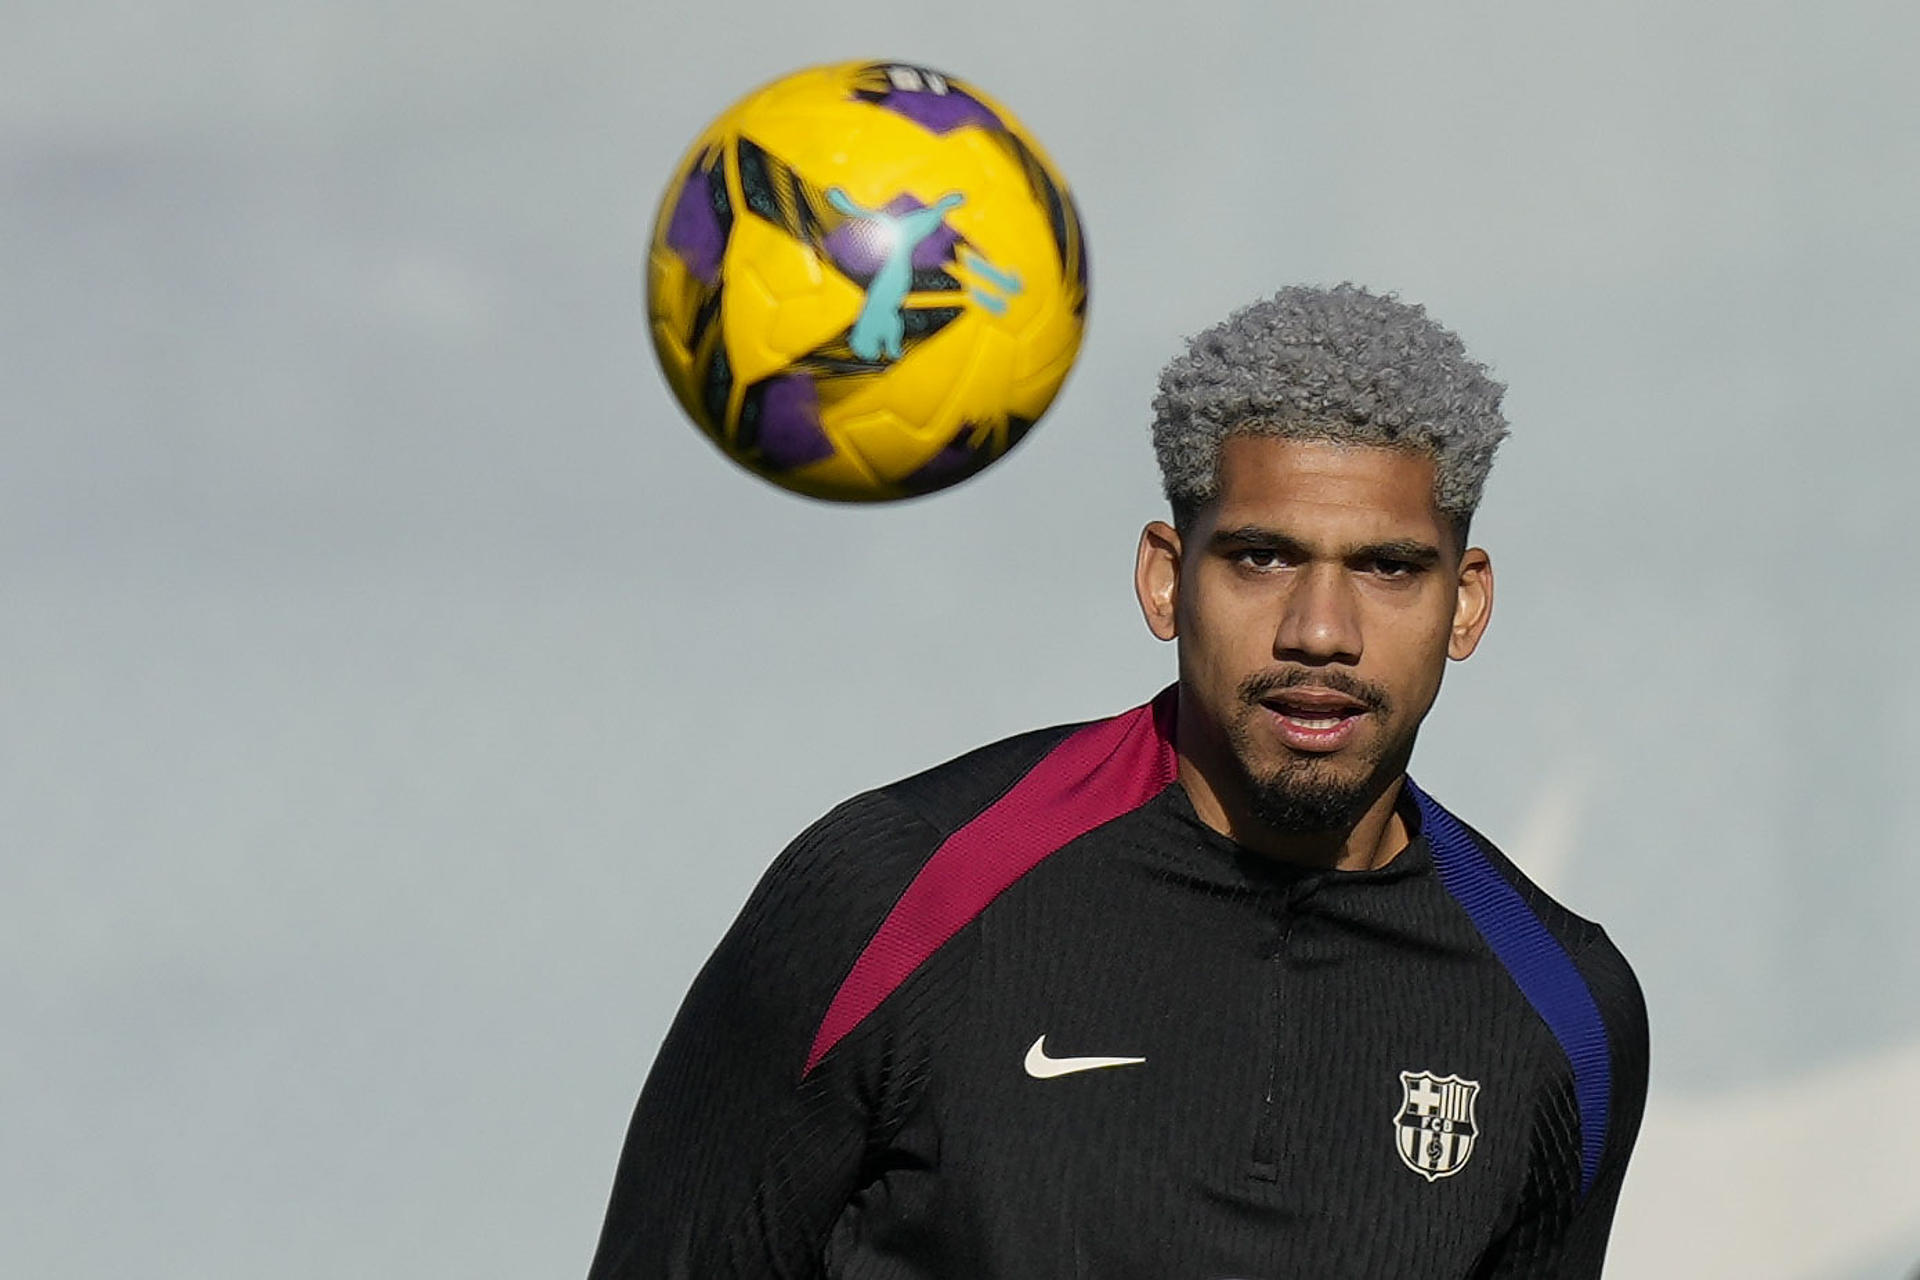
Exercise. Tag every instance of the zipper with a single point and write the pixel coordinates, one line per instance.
(1266, 1148)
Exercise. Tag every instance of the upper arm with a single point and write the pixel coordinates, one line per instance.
(1562, 1230)
(738, 1159)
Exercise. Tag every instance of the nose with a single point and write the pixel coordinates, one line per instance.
(1320, 620)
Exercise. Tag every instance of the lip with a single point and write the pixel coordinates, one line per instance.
(1315, 726)
(1309, 701)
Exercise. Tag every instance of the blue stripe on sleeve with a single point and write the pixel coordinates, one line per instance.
(1540, 967)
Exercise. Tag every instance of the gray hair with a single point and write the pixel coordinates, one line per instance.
(1338, 364)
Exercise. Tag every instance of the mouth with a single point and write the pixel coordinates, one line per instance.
(1314, 719)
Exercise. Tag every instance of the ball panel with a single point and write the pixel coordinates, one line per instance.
(780, 425)
(697, 228)
(778, 304)
(934, 101)
(843, 477)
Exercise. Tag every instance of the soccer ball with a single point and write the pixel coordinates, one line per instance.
(866, 281)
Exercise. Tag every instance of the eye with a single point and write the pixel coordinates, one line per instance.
(1394, 570)
(1259, 558)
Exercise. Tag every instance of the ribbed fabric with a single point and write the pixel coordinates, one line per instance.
(1326, 1074)
(1091, 778)
(1540, 967)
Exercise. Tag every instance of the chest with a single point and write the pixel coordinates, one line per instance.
(1213, 1087)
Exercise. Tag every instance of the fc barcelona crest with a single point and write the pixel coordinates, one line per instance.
(1436, 1129)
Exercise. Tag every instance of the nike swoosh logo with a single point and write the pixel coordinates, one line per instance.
(1041, 1067)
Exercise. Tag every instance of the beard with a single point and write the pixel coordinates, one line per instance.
(1313, 796)
(1296, 802)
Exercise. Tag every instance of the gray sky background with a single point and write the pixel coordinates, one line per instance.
(401, 698)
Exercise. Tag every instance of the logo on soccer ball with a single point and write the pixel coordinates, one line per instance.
(895, 240)
(1435, 1129)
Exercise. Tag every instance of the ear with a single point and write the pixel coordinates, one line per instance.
(1156, 578)
(1472, 605)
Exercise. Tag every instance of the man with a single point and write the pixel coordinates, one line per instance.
(1209, 989)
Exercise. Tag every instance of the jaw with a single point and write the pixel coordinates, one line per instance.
(1366, 759)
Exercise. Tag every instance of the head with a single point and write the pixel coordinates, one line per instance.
(1323, 452)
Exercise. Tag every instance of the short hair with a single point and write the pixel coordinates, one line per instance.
(1339, 364)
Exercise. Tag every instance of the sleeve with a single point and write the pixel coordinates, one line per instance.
(738, 1161)
(1562, 1233)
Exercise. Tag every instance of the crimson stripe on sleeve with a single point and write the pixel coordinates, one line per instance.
(1095, 775)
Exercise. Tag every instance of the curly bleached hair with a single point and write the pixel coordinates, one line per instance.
(1338, 364)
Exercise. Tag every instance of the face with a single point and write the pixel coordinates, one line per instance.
(1316, 601)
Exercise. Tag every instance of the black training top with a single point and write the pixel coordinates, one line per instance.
(1026, 1016)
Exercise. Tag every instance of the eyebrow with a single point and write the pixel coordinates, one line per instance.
(1258, 537)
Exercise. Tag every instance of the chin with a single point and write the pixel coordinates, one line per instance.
(1333, 769)
(1309, 806)
(1302, 794)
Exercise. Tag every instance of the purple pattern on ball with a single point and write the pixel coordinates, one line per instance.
(954, 463)
(859, 245)
(694, 232)
(941, 112)
(789, 433)
(937, 249)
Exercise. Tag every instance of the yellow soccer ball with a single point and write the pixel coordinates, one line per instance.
(866, 281)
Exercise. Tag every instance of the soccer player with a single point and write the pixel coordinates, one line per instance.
(1207, 989)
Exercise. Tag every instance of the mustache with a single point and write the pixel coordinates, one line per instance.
(1262, 685)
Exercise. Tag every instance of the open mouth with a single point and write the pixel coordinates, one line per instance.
(1314, 718)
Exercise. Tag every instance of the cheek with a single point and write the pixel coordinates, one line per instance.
(1413, 651)
(1227, 632)
(1219, 650)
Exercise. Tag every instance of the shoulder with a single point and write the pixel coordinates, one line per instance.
(862, 853)
(1601, 963)
(825, 898)
(952, 794)
(1604, 971)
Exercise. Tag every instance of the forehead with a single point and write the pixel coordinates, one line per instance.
(1320, 486)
